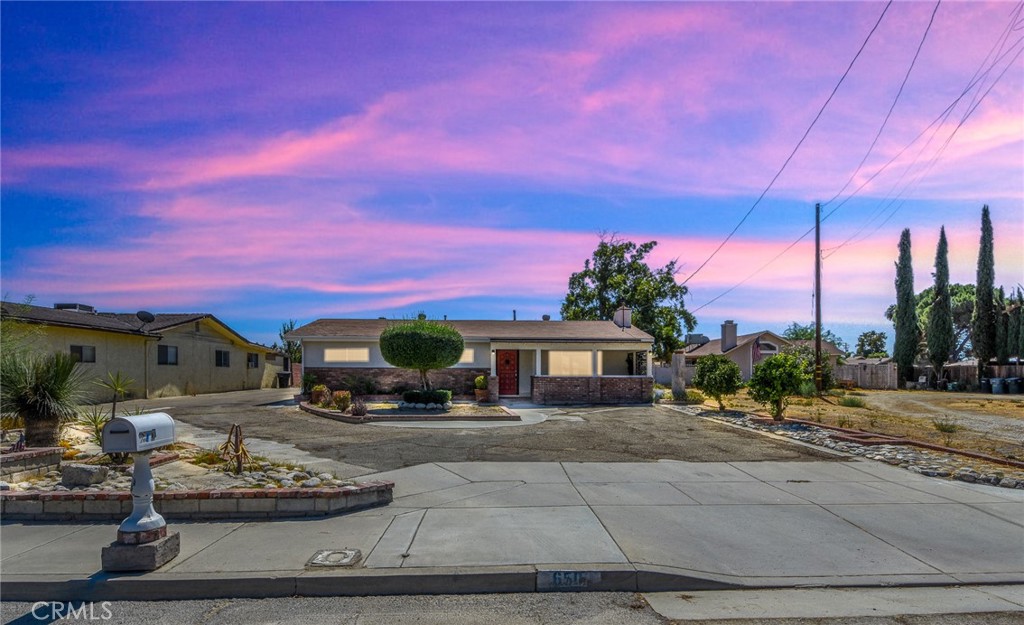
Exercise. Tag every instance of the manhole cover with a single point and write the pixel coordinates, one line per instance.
(335, 557)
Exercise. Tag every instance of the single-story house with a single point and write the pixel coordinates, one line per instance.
(549, 362)
(746, 350)
(164, 354)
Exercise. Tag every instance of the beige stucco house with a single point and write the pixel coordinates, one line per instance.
(746, 350)
(169, 355)
(546, 361)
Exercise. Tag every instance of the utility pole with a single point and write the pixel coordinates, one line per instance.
(817, 297)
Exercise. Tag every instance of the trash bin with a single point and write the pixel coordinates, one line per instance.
(1013, 386)
(998, 386)
(952, 386)
(986, 385)
(284, 379)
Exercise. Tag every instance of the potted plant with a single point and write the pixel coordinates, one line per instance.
(480, 387)
(318, 394)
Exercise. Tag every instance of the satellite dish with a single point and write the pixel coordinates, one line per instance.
(145, 317)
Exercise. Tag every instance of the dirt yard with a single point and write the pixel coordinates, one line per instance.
(992, 424)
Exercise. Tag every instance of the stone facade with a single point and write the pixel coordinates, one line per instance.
(386, 380)
(592, 390)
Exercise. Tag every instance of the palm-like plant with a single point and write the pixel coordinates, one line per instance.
(43, 390)
(118, 385)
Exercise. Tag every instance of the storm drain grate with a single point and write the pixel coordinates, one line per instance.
(335, 557)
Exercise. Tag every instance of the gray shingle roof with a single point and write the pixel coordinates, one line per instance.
(604, 331)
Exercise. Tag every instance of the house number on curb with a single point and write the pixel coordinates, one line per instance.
(335, 557)
(567, 579)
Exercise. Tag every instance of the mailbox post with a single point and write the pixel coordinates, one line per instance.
(143, 543)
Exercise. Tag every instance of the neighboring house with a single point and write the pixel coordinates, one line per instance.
(173, 354)
(549, 362)
(746, 350)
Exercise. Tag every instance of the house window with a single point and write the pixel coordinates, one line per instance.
(223, 358)
(347, 354)
(468, 356)
(570, 363)
(252, 360)
(166, 355)
(83, 353)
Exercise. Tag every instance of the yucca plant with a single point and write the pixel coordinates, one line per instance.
(118, 385)
(43, 390)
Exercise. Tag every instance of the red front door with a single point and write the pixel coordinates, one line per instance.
(508, 372)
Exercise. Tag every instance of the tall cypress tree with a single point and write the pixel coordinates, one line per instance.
(1002, 329)
(1018, 314)
(940, 334)
(983, 324)
(907, 331)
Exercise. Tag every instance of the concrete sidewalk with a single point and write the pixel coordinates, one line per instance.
(519, 527)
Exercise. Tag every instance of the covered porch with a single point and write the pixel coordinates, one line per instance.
(572, 373)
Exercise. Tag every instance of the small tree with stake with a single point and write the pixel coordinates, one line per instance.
(775, 380)
(422, 346)
(716, 375)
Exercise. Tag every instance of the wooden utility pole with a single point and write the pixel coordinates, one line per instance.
(817, 297)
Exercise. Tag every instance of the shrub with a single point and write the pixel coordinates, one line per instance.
(807, 389)
(319, 388)
(694, 397)
(358, 408)
(480, 383)
(427, 397)
(852, 402)
(43, 390)
(717, 376)
(341, 400)
(308, 380)
(666, 395)
(359, 385)
(421, 345)
(774, 380)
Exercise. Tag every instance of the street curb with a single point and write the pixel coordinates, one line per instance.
(158, 586)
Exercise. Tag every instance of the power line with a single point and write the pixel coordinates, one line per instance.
(795, 149)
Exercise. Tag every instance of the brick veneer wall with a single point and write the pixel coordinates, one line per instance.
(592, 390)
(393, 380)
(21, 465)
(242, 503)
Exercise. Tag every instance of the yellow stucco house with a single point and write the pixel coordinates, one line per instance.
(165, 354)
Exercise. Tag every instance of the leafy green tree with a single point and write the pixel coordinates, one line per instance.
(983, 335)
(805, 353)
(940, 334)
(871, 344)
(716, 375)
(775, 379)
(421, 345)
(962, 302)
(292, 349)
(798, 332)
(907, 331)
(617, 275)
(43, 390)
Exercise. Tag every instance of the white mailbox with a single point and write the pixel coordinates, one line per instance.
(136, 433)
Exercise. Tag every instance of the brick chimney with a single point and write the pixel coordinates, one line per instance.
(728, 335)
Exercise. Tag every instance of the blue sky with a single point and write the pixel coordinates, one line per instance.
(267, 161)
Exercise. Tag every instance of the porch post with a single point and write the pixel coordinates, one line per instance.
(650, 364)
(536, 361)
(494, 362)
(593, 363)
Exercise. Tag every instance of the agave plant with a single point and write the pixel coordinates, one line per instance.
(118, 385)
(43, 390)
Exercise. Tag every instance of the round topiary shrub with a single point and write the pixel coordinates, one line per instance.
(421, 345)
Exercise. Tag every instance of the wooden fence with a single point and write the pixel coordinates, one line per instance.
(871, 376)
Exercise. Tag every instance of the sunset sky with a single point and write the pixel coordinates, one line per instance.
(267, 161)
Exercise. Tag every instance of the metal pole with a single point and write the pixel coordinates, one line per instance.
(817, 297)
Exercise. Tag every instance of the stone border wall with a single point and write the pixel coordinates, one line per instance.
(18, 466)
(241, 503)
(507, 415)
(613, 389)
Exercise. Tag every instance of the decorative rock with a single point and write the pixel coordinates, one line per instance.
(287, 483)
(420, 406)
(447, 405)
(1008, 482)
(82, 474)
(325, 476)
(5, 486)
(312, 482)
